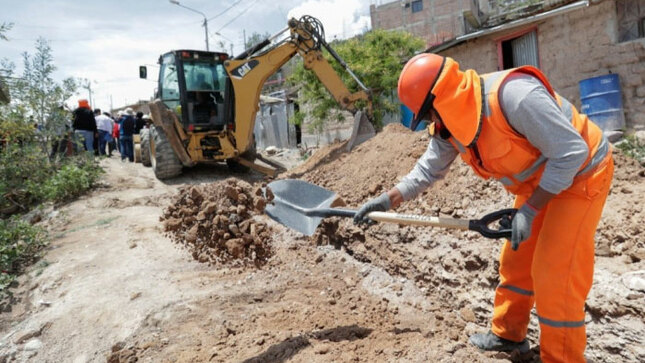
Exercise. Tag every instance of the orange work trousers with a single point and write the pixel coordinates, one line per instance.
(554, 269)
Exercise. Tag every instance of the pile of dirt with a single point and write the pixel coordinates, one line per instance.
(323, 155)
(216, 222)
(621, 231)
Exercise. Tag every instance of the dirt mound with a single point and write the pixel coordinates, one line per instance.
(324, 155)
(621, 230)
(216, 222)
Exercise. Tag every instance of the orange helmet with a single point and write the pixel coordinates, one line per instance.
(416, 81)
(430, 82)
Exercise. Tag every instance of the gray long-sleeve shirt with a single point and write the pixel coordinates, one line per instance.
(532, 112)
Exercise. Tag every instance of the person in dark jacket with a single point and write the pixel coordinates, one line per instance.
(126, 130)
(84, 125)
(139, 123)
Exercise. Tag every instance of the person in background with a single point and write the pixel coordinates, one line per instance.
(114, 133)
(104, 126)
(84, 125)
(139, 123)
(58, 126)
(126, 130)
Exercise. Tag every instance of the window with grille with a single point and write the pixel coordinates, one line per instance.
(631, 19)
(417, 6)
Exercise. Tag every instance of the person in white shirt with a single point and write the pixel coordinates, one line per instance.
(104, 126)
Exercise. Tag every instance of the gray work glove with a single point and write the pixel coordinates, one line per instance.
(379, 204)
(521, 226)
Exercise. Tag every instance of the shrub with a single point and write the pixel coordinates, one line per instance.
(20, 244)
(71, 180)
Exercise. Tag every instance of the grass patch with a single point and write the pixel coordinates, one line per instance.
(632, 148)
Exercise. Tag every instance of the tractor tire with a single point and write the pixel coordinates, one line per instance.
(136, 144)
(145, 147)
(163, 160)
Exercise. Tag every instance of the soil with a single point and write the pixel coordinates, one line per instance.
(119, 285)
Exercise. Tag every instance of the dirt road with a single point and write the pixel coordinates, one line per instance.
(113, 287)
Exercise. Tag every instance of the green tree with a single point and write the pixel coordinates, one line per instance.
(255, 38)
(36, 89)
(376, 57)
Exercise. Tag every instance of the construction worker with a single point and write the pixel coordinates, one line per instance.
(512, 126)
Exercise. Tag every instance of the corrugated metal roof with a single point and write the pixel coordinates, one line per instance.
(520, 21)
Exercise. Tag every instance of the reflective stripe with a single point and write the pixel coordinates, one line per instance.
(505, 181)
(460, 147)
(516, 290)
(523, 175)
(598, 157)
(567, 108)
(561, 324)
(489, 82)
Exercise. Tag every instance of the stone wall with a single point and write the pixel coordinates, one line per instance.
(573, 47)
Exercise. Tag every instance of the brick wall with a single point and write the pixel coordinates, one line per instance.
(572, 47)
(440, 20)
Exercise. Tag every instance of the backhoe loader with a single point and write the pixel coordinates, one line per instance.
(206, 102)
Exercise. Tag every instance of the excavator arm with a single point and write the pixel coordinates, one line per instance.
(249, 70)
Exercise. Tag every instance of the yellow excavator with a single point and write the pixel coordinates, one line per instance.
(206, 102)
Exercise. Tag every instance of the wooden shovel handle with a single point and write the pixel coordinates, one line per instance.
(419, 220)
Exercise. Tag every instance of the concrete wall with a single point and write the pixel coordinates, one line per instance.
(572, 47)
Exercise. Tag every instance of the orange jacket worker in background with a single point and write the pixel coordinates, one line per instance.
(512, 126)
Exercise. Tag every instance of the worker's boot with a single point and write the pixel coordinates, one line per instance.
(490, 341)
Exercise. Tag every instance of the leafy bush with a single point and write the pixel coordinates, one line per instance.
(20, 244)
(71, 180)
(23, 168)
(29, 177)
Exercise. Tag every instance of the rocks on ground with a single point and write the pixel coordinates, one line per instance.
(216, 222)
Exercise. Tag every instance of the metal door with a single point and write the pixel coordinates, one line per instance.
(525, 51)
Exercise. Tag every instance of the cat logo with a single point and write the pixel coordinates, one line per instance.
(244, 69)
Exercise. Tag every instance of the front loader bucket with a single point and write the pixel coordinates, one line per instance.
(362, 131)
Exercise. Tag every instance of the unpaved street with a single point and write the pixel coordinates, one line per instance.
(113, 286)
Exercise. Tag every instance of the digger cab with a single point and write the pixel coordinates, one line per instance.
(195, 85)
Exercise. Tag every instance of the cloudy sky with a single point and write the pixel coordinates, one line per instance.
(105, 41)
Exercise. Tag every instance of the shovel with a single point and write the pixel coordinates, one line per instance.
(302, 206)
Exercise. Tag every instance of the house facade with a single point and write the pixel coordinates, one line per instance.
(570, 41)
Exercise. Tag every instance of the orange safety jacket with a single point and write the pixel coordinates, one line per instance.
(499, 152)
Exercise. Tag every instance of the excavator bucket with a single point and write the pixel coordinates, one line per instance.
(362, 131)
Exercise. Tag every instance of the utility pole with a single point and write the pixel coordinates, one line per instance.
(204, 24)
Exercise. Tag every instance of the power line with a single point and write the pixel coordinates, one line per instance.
(238, 15)
(225, 10)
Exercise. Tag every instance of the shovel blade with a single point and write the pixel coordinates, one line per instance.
(292, 201)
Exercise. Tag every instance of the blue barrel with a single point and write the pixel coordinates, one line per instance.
(602, 101)
(406, 118)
